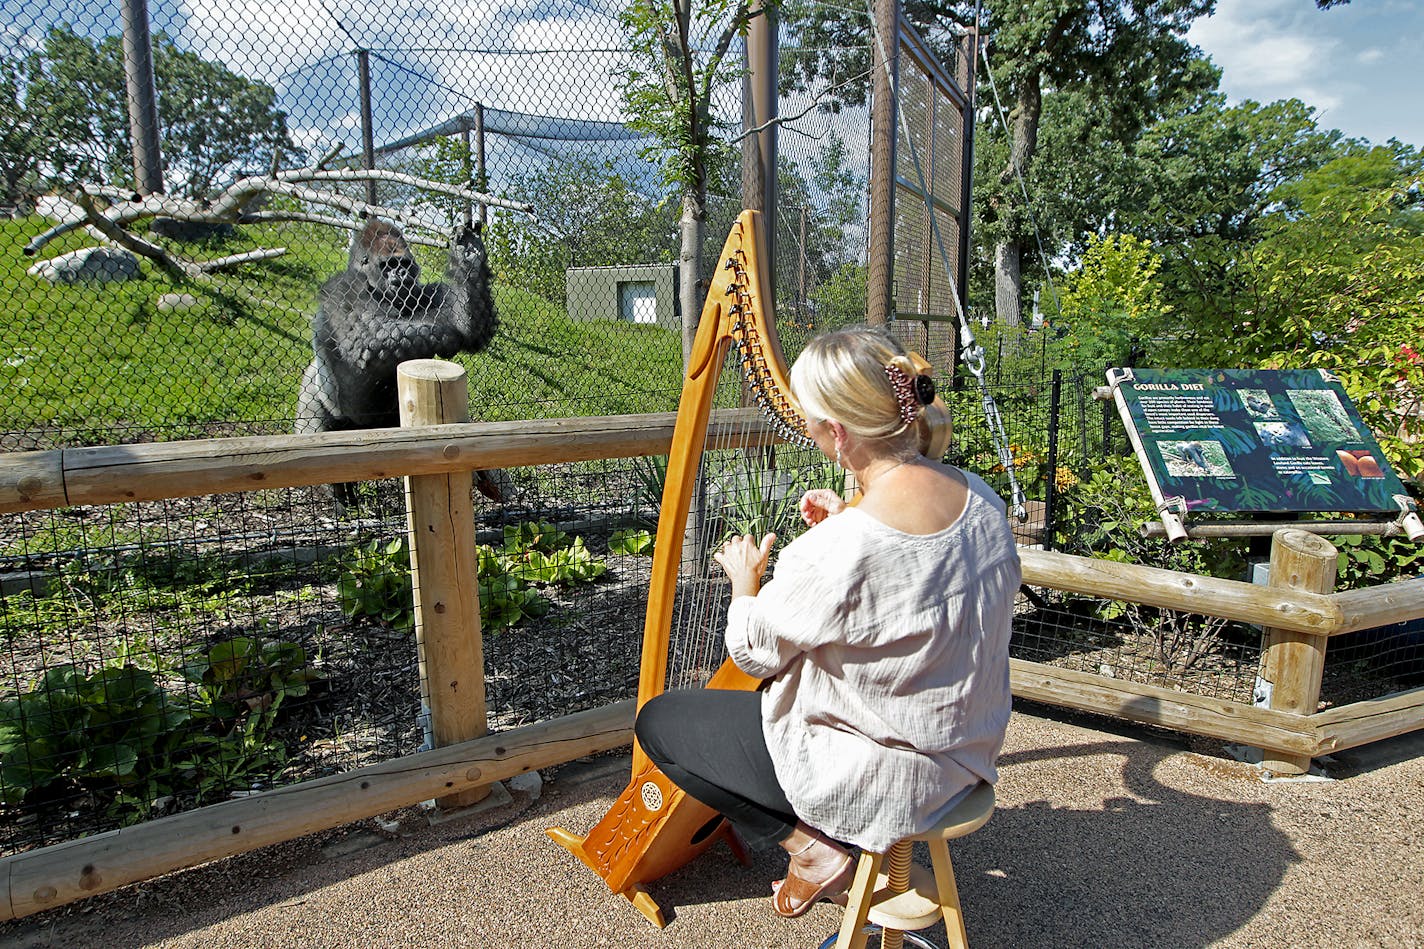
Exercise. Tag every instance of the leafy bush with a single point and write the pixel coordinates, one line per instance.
(375, 582)
(375, 579)
(651, 472)
(1366, 560)
(100, 730)
(123, 737)
(628, 541)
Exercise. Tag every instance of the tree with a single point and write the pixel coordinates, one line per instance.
(73, 93)
(1081, 78)
(1206, 186)
(216, 124)
(1113, 302)
(679, 62)
(1129, 62)
(20, 145)
(1335, 281)
(588, 215)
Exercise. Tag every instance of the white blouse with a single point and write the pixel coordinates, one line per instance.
(889, 659)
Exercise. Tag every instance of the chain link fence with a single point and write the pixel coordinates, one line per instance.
(163, 655)
(169, 654)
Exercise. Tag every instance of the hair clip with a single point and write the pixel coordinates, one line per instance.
(906, 393)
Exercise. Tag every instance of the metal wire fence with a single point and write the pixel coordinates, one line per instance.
(166, 654)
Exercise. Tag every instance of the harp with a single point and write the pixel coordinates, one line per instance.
(654, 827)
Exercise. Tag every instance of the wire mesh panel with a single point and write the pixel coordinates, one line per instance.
(205, 329)
(930, 199)
(163, 655)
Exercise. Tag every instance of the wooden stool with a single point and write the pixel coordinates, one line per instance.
(900, 896)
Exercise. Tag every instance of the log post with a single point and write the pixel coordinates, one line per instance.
(1293, 662)
(443, 561)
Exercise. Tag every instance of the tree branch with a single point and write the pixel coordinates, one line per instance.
(177, 269)
(230, 208)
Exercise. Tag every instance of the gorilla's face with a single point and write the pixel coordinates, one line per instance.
(398, 276)
(381, 254)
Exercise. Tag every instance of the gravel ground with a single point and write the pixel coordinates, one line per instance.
(1105, 835)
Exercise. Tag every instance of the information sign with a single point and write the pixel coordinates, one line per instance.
(1257, 441)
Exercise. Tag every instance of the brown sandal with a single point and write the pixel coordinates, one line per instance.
(795, 895)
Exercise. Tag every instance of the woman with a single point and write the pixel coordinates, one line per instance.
(883, 635)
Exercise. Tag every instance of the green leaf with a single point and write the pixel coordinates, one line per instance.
(115, 761)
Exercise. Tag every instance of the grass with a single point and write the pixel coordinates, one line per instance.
(101, 363)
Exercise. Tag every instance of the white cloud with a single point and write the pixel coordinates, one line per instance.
(244, 34)
(1357, 64)
(1264, 50)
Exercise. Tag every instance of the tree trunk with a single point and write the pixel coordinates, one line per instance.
(689, 271)
(1008, 283)
(1008, 254)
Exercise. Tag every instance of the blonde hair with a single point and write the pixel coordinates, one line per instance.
(841, 376)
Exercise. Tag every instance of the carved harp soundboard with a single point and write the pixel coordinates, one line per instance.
(722, 477)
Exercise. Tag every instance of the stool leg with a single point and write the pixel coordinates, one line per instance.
(948, 895)
(862, 894)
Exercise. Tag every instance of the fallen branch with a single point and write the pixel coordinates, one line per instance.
(252, 256)
(177, 269)
(231, 206)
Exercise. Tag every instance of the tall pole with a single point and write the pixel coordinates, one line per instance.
(467, 170)
(879, 296)
(967, 76)
(481, 175)
(759, 110)
(368, 133)
(143, 98)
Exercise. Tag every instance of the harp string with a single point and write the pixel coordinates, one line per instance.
(751, 485)
(746, 483)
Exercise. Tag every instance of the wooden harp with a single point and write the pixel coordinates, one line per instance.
(654, 827)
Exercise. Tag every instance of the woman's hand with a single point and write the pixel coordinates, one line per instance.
(744, 560)
(819, 504)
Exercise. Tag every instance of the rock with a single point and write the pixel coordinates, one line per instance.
(174, 302)
(530, 782)
(97, 264)
(195, 232)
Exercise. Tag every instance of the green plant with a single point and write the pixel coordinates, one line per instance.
(122, 737)
(534, 535)
(1100, 517)
(1365, 560)
(505, 597)
(375, 581)
(757, 500)
(629, 541)
(571, 564)
(651, 472)
(248, 675)
(103, 731)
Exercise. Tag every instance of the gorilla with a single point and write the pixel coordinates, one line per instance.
(377, 314)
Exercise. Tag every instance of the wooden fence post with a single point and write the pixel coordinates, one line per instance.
(1292, 663)
(443, 562)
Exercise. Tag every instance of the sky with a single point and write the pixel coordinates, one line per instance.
(1360, 65)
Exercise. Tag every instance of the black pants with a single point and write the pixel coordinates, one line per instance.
(709, 742)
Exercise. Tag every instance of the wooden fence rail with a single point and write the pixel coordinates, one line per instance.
(1298, 622)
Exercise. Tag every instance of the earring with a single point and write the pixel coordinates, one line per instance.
(839, 463)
